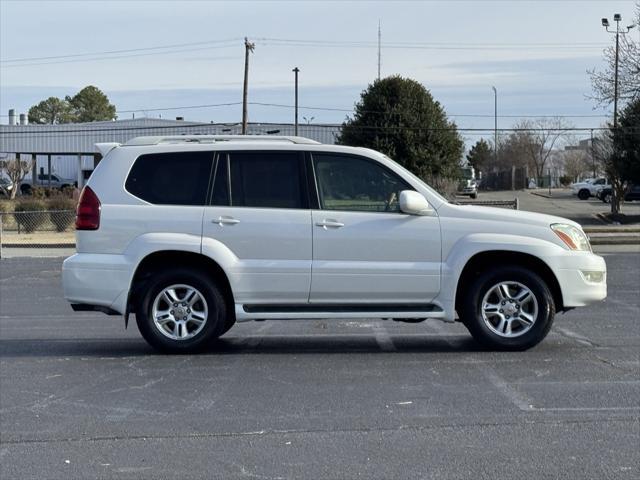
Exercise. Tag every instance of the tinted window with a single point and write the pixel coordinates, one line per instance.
(351, 183)
(221, 181)
(267, 179)
(177, 178)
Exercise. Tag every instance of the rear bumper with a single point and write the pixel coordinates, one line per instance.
(97, 279)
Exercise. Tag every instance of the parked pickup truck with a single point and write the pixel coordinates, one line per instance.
(588, 188)
(43, 181)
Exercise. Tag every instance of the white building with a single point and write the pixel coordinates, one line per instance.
(68, 150)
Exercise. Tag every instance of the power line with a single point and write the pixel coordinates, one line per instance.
(348, 110)
(265, 41)
(128, 50)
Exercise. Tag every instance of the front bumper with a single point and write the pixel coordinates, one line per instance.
(97, 279)
(575, 272)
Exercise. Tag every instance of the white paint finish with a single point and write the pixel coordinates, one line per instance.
(271, 248)
(375, 258)
(122, 225)
(267, 255)
(95, 279)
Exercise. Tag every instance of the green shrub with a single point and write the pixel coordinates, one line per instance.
(30, 214)
(565, 180)
(62, 212)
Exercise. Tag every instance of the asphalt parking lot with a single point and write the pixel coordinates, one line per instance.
(80, 397)
(560, 202)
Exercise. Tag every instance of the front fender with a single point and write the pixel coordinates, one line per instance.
(470, 245)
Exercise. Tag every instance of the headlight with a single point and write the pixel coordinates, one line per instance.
(573, 237)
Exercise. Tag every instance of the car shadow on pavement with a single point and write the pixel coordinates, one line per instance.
(252, 345)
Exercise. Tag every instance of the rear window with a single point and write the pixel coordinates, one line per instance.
(176, 178)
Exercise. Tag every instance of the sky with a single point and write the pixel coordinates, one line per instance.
(167, 54)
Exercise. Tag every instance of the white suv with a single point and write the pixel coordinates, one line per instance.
(195, 233)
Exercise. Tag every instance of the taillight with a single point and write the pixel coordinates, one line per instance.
(88, 211)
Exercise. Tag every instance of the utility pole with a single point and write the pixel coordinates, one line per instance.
(379, 49)
(495, 127)
(248, 48)
(605, 23)
(296, 70)
(593, 155)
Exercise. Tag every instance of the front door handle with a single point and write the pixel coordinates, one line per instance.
(225, 221)
(326, 224)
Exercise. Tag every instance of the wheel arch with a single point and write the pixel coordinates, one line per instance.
(164, 259)
(482, 260)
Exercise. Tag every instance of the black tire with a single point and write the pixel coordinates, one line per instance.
(474, 195)
(606, 198)
(215, 321)
(471, 314)
(584, 194)
(25, 189)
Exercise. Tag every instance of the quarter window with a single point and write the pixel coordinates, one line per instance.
(176, 178)
(267, 180)
(356, 184)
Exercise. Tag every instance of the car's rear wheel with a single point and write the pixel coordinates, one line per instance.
(181, 311)
(606, 197)
(584, 194)
(508, 308)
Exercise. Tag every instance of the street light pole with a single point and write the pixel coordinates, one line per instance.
(605, 23)
(296, 70)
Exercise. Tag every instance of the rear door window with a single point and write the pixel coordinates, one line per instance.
(176, 178)
(266, 180)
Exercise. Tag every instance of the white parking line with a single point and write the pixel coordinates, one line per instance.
(518, 399)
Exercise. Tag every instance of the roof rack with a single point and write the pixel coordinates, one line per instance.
(156, 140)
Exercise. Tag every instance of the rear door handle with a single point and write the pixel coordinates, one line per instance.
(326, 224)
(225, 221)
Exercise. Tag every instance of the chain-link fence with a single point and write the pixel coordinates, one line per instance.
(37, 233)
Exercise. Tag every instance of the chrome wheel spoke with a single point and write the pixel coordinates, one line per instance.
(198, 315)
(523, 296)
(491, 308)
(170, 296)
(502, 325)
(503, 291)
(526, 318)
(190, 297)
(197, 321)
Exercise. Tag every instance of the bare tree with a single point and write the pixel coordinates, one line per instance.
(539, 138)
(602, 81)
(603, 151)
(512, 151)
(575, 163)
(16, 170)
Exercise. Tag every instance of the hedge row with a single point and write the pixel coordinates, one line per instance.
(31, 213)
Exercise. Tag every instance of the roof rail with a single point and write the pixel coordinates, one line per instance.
(156, 140)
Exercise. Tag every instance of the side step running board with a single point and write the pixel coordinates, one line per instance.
(331, 308)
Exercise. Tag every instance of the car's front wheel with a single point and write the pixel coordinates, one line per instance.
(508, 308)
(181, 311)
(584, 194)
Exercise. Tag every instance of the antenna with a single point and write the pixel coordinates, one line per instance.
(379, 48)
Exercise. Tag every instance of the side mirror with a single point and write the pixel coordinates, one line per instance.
(414, 203)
